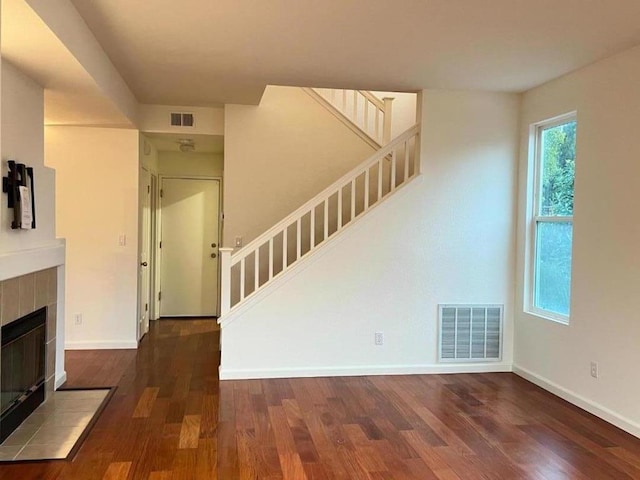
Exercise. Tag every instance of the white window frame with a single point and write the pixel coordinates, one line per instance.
(535, 158)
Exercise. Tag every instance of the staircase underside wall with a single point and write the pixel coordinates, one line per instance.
(277, 156)
(447, 237)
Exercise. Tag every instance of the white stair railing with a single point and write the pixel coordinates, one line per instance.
(254, 266)
(363, 109)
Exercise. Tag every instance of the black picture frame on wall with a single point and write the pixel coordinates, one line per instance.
(19, 175)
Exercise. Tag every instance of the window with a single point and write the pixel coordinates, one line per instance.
(552, 219)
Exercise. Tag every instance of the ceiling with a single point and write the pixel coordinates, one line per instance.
(71, 95)
(201, 52)
(168, 142)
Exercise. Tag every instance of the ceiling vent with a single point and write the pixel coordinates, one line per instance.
(470, 333)
(182, 120)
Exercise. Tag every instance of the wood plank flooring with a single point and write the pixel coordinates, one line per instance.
(149, 428)
(171, 419)
(480, 426)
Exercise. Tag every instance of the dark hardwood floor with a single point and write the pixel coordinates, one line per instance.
(170, 419)
(161, 422)
(480, 426)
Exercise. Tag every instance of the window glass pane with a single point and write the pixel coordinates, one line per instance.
(557, 163)
(553, 267)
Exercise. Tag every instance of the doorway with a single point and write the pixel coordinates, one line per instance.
(190, 237)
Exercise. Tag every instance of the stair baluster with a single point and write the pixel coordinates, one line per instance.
(388, 169)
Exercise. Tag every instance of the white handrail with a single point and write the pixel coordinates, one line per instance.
(367, 184)
(330, 190)
(368, 113)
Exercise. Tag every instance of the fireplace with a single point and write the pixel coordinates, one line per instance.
(23, 364)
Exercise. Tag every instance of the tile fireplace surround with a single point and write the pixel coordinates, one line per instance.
(25, 294)
(30, 279)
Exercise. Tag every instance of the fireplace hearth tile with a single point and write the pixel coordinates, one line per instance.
(9, 453)
(56, 434)
(21, 435)
(53, 429)
(45, 451)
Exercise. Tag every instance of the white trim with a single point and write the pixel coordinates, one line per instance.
(60, 379)
(548, 315)
(23, 262)
(590, 406)
(533, 216)
(553, 219)
(305, 261)
(116, 345)
(360, 370)
(555, 121)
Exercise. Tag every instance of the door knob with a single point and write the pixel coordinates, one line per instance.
(213, 255)
(144, 264)
(214, 245)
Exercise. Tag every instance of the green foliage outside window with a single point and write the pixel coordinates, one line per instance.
(558, 169)
(553, 246)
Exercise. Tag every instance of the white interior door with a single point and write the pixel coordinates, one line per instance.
(144, 293)
(190, 239)
(154, 273)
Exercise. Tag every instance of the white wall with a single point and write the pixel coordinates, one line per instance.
(96, 202)
(156, 119)
(27, 251)
(23, 141)
(286, 149)
(66, 23)
(148, 154)
(191, 163)
(448, 237)
(604, 325)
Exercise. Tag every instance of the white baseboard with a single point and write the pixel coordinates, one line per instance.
(356, 371)
(124, 345)
(60, 379)
(592, 407)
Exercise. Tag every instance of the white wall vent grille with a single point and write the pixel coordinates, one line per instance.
(470, 333)
(181, 119)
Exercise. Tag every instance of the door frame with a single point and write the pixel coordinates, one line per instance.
(150, 255)
(159, 225)
(155, 235)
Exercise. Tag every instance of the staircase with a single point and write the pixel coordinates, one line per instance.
(251, 270)
(362, 111)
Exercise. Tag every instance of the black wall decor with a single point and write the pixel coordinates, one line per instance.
(19, 175)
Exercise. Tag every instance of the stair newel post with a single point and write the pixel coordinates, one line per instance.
(225, 280)
(386, 123)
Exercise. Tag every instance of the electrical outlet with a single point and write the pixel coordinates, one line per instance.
(594, 369)
(238, 241)
(379, 338)
(78, 318)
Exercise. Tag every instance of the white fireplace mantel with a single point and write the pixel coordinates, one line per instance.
(23, 262)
